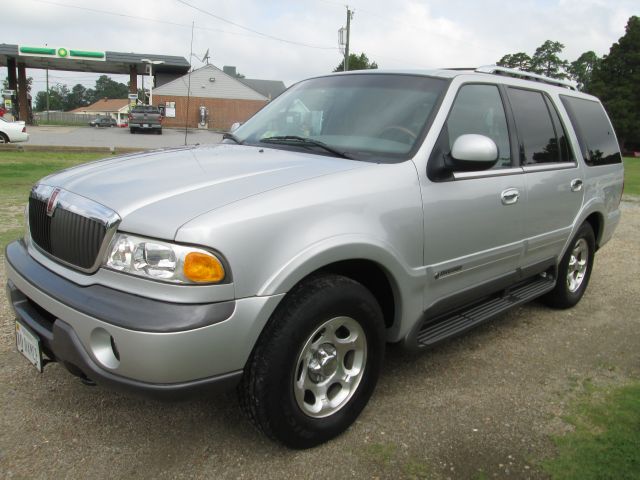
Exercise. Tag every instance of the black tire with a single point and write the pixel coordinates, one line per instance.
(160, 132)
(4, 138)
(132, 130)
(267, 389)
(563, 296)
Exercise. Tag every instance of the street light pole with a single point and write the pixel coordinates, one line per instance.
(151, 64)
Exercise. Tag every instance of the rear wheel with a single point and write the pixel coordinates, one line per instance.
(317, 362)
(4, 138)
(574, 270)
(132, 130)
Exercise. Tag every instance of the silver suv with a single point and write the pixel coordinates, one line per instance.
(354, 210)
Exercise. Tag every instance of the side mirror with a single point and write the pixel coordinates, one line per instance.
(473, 152)
(235, 126)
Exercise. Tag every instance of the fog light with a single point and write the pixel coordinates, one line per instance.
(104, 349)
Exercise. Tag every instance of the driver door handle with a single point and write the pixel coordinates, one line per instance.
(509, 196)
(576, 185)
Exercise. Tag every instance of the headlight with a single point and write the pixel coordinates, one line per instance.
(163, 260)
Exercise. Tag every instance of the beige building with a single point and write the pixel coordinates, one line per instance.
(224, 98)
(108, 107)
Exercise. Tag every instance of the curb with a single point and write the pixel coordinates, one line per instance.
(67, 149)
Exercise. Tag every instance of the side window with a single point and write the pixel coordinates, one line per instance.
(478, 109)
(597, 141)
(541, 139)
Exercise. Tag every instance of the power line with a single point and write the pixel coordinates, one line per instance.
(257, 34)
(266, 35)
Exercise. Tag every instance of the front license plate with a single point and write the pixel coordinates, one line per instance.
(146, 125)
(29, 345)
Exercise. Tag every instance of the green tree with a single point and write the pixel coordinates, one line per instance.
(357, 62)
(109, 88)
(77, 97)
(581, 69)
(519, 60)
(545, 60)
(616, 79)
(57, 96)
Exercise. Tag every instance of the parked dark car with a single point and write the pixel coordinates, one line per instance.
(103, 122)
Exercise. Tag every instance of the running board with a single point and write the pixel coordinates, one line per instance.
(451, 324)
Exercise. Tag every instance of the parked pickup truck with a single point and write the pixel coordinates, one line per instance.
(354, 210)
(145, 117)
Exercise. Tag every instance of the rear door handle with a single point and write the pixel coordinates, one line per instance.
(510, 196)
(576, 185)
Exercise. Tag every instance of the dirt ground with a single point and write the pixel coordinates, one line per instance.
(481, 406)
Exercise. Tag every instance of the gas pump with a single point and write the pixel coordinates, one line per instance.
(203, 117)
(7, 103)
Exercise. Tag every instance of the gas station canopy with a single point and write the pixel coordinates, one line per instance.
(18, 58)
(79, 60)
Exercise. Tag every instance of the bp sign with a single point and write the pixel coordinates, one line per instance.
(61, 52)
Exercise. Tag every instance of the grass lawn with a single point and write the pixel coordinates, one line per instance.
(632, 176)
(18, 172)
(606, 441)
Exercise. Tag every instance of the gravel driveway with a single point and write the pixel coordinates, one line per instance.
(482, 406)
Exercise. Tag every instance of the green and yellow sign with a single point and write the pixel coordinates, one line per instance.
(61, 52)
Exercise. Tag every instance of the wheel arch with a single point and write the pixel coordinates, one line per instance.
(596, 220)
(373, 265)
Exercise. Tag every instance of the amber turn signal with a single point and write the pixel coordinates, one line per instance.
(203, 267)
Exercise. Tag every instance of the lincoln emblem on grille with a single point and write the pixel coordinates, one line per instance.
(51, 203)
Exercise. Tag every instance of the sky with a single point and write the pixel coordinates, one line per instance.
(292, 40)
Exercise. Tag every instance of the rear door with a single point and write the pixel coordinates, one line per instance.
(554, 179)
(473, 221)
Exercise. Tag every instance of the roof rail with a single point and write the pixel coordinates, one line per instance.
(512, 72)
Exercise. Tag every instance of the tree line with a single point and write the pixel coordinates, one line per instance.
(65, 99)
(613, 78)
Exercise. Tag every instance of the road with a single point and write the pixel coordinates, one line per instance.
(116, 137)
(481, 406)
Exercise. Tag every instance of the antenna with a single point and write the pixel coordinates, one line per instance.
(205, 59)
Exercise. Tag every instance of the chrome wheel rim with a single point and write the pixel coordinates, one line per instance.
(578, 263)
(330, 367)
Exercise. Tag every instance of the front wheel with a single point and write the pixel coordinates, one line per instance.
(574, 270)
(317, 362)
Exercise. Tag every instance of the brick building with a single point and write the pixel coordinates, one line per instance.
(226, 98)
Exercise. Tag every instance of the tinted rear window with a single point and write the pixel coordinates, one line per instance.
(597, 140)
(145, 110)
(540, 140)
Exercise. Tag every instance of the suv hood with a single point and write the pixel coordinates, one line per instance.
(157, 192)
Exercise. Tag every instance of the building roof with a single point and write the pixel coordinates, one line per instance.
(104, 105)
(89, 61)
(269, 88)
(209, 82)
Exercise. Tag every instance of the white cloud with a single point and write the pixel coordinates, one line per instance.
(399, 34)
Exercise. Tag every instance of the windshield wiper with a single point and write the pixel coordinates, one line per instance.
(305, 142)
(231, 136)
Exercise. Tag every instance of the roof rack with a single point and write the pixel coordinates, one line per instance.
(512, 72)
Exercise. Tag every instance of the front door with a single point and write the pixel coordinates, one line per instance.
(473, 221)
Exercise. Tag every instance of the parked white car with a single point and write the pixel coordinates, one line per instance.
(11, 132)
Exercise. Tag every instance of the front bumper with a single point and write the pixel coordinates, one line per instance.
(161, 348)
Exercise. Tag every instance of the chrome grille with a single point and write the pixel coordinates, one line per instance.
(75, 231)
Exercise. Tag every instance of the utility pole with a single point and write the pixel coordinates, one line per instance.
(47, 75)
(346, 49)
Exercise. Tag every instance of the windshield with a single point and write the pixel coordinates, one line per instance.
(378, 117)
